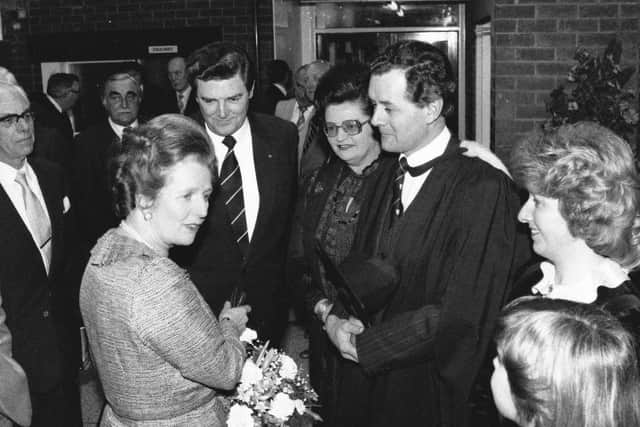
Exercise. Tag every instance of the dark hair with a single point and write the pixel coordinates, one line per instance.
(591, 171)
(568, 364)
(344, 83)
(148, 151)
(427, 70)
(222, 61)
(278, 71)
(59, 83)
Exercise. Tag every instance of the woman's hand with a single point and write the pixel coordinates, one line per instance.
(475, 149)
(238, 315)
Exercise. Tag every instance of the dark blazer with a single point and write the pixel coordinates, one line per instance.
(48, 115)
(171, 103)
(214, 260)
(95, 147)
(266, 101)
(38, 306)
(53, 134)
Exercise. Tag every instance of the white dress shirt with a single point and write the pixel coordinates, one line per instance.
(412, 185)
(14, 191)
(118, 129)
(244, 154)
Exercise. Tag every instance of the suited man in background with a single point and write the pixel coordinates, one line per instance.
(278, 80)
(33, 277)
(243, 243)
(94, 148)
(182, 98)
(53, 126)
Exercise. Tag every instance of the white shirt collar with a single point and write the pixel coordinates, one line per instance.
(185, 93)
(281, 88)
(611, 276)
(54, 102)
(118, 129)
(430, 151)
(242, 134)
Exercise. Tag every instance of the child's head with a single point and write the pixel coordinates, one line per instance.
(562, 363)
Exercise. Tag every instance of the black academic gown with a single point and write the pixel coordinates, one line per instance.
(457, 249)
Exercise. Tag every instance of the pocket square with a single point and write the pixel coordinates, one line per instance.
(66, 205)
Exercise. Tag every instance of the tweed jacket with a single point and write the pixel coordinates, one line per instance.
(159, 350)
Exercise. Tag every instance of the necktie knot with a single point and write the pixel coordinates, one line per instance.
(21, 178)
(229, 141)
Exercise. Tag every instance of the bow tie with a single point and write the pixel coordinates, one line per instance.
(420, 169)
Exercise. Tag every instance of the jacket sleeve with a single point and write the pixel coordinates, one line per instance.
(175, 321)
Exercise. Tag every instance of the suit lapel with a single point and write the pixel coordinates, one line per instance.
(53, 200)
(264, 164)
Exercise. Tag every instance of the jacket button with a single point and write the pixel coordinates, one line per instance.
(45, 313)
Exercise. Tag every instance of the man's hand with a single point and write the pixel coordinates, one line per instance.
(342, 333)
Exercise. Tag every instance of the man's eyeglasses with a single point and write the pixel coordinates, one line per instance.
(350, 127)
(12, 119)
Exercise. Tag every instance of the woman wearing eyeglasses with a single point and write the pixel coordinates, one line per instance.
(327, 213)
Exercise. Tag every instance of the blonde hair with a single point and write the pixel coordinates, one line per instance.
(568, 364)
(591, 171)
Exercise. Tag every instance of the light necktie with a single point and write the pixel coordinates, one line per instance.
(301, 119)
(232, 196)
(37, 217)
(181, 102)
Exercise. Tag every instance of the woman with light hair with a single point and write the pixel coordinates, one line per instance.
(582, 211)
(7, 76)
(566, 364)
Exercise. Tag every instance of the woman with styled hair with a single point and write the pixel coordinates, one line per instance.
(583, 214)
(327, 214)
(160, 352)
(562, 363)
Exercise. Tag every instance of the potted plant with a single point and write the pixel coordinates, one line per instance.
(596, 91)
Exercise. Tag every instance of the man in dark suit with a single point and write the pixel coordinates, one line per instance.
(95, 147)
(248, 255)
(447, 225)
(53, 127)
(33, 269)
(182, 98)
(278, 81)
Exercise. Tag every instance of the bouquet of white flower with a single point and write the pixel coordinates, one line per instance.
(272, 391)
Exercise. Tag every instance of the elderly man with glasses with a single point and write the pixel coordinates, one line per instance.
(33, 281)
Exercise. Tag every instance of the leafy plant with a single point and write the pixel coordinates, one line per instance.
(596, 92)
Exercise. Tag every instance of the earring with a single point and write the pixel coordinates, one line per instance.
(146, 215)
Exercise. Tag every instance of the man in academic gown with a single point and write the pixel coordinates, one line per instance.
(452, 236)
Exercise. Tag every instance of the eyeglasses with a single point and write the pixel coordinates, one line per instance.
(350, 127)
(11, 120)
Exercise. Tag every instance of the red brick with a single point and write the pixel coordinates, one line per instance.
(595, 39)
(560, 11)
(630, 25)
(515, 12)
(537, 25)
(535, 54)
(630, 10)
(500, 83)
(513, 68)
(578, 25)
(608, 11)
(524, 40)
(505, 54)
(516, 97)
(555, 40)
(532, 111)
(504, 25)
(535, 83)
(552, 68)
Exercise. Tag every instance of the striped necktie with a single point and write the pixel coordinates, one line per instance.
(38, 219)
(231, 195)
(396, 204)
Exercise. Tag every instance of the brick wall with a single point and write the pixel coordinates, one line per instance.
(534, 43)
(45, 16)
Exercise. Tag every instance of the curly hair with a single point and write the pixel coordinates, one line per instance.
(344, 83)
(568, 364)
(149, 151)
(427, 70)
(591, 171)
